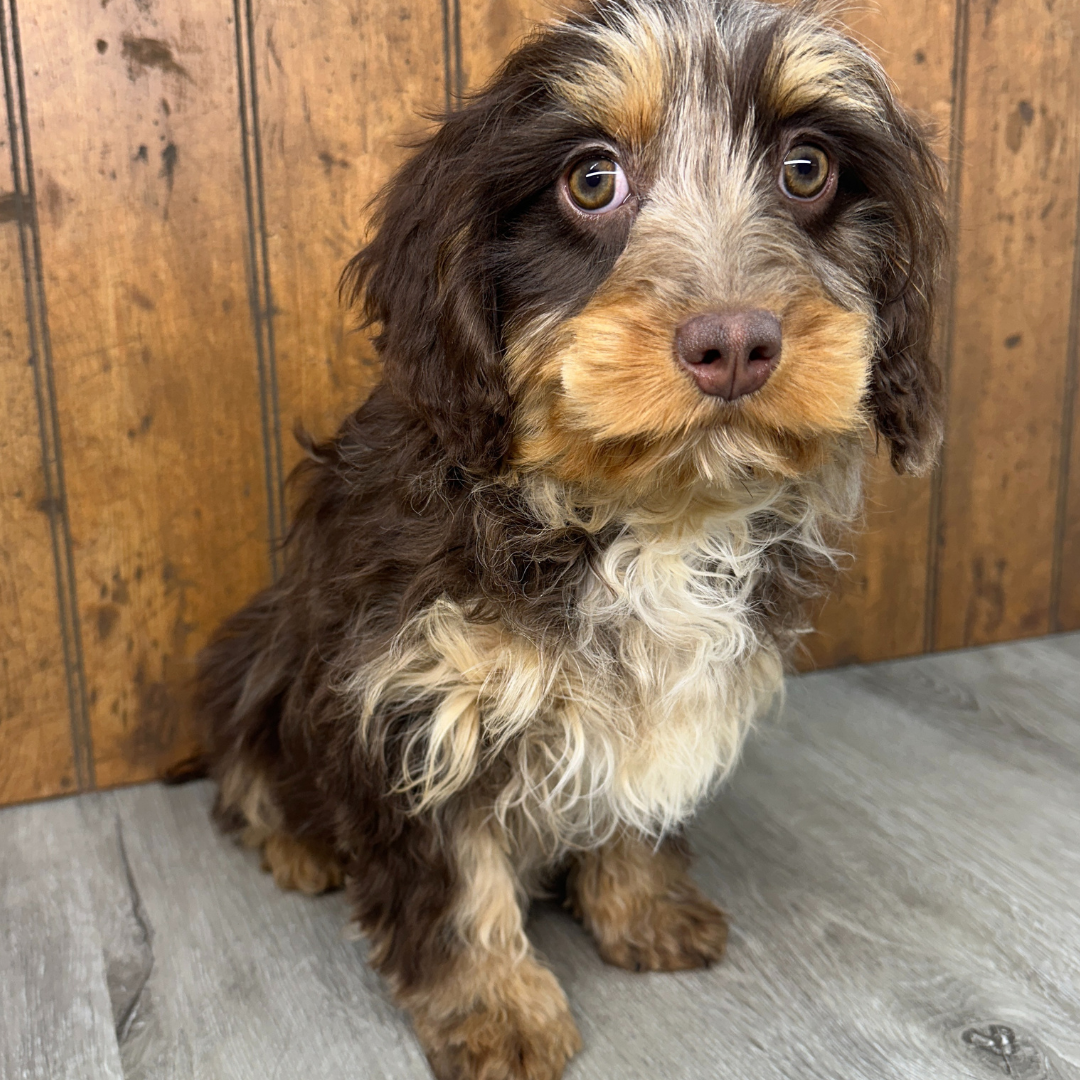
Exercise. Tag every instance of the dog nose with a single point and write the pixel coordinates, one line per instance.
(729, 355)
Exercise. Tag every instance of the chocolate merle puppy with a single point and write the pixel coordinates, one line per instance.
(642, 304)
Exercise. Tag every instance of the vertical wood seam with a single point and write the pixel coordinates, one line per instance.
(260, 294)
(459, 67)
(956, 163)
(41, 362)
(453, 67)
(1068, 411)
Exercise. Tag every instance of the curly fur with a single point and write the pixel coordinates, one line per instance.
(538, 586)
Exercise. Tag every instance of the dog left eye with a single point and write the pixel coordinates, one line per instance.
(597, 184)
(805, 172)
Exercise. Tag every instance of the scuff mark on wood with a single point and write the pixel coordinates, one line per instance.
(144, 52)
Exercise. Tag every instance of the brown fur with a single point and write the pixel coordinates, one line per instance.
(308, 868)
(496, 1012)
(538, 586)
(491, 1021)
(642, 907)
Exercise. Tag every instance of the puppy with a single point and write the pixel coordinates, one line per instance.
(642, 304)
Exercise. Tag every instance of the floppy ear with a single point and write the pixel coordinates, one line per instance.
(905, 392)
(423, 282)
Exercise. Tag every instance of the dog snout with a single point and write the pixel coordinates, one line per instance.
(729, 355)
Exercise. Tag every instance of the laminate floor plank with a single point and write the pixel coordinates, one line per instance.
(247, 981)
(55, 1014)
(898, 852)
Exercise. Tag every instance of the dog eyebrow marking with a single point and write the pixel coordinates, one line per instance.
(807, 69)
(624, 88)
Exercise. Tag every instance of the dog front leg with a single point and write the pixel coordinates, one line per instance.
(489, 1010)
(640, 904)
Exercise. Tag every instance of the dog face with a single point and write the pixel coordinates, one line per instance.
(671, 239)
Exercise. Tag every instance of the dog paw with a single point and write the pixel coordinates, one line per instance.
(296, 865)
(531, 1039)
(669, 933)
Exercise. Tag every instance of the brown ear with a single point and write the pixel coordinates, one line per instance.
(423, 283)
(906, 391)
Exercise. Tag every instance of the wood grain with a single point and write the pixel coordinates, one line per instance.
(342, 87)
(37, 756)
(135, 121)
(897, 855)
(879, 610)
(1015, 245)
(491, 28)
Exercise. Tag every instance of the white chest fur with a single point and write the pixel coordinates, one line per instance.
(627, 719)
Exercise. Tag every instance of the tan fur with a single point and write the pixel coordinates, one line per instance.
(807, 70)
(245, 791)
(308, 868)
(495, 1013)
(626, 95)
(626, 338)
(643, 909)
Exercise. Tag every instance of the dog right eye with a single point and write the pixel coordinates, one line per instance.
(806, 172)
(597, 184)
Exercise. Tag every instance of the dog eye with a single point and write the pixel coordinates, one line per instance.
(597, 185)
(805, 172)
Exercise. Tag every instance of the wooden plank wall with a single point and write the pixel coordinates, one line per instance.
(180, 185)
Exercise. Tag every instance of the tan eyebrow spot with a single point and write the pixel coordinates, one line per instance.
(623, 94)
(806, 69)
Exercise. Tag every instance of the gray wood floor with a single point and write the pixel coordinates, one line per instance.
(898, 854)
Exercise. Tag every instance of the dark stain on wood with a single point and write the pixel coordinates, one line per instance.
(1014, 128)
(142, 429)
(50, 505)
(987, 600)
(106, 618)
(169, 157)
(139, 298)
(54, 199)
(329, 162)
(12, 206)
(142, 53)
(120, 592)
(157, 720)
